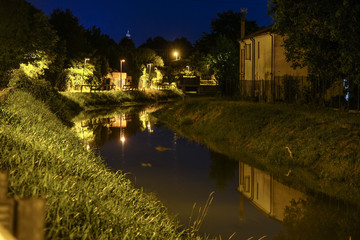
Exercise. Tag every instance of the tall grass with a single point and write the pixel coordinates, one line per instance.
(84, 199)
(110, 98)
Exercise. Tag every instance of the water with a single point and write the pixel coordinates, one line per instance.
(247, 202)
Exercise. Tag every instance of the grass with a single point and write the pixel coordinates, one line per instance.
(324, 143)
(84, 199)
(112, 98)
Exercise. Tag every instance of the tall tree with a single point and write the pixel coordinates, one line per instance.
(24, 31)
(221, 49)
(229, 24)
(72, 33)
(322, 35)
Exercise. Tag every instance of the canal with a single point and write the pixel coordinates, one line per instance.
(246, 202)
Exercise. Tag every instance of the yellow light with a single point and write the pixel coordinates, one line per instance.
(122, 60)
(122, 139)
(176, 54)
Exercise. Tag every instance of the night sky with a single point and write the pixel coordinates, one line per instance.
(150, 18)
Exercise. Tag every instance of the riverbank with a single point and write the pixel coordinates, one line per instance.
(94, 100)
(302, 145)
(84, 199)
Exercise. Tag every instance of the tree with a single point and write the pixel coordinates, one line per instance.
(218, 51)
(322, 35)
(159, 44)
(24, 31)
(224, 59)
(72, 33)
(78, 74)
(229, 24)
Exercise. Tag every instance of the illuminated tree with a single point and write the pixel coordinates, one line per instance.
(24, 31)
(78, 75)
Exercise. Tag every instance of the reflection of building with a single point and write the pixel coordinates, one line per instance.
(267, 194)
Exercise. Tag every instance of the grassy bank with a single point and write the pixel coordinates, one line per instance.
(115, 98)
(312, 147)
(84, 199)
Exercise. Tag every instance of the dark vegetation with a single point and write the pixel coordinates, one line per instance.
(322, 35)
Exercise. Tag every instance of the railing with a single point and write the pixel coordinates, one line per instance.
(21, 218)
(301, 89)
(94, 87)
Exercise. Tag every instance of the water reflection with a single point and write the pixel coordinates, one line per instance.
(97, 131)
(266, 193)
(248, 201)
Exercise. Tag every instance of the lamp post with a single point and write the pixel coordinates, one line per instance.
(149, 66)
(176, 55)
(121, 61)
(86, 59)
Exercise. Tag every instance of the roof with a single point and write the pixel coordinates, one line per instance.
(264, 30)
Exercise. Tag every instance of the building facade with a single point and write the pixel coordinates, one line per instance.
(263, 66)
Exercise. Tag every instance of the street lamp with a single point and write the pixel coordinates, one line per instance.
(121, 61)
(188, 68)
(149, 66)
(176, 55)
(86, 59)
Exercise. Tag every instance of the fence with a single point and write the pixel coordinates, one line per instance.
(290, 89)
(20, 218)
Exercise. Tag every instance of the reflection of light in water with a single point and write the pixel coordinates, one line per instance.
(122, 139)
(149, 128)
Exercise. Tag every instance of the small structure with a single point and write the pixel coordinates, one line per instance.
(120, 80)
(188, 83)
(263, 65)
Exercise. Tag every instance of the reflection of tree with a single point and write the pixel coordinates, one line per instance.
(222, 169)
(315, 219)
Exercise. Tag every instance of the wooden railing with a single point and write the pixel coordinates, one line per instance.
(20, 218)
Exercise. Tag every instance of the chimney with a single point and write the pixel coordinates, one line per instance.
(243, 13)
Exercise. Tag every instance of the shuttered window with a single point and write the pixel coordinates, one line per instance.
(247, 51)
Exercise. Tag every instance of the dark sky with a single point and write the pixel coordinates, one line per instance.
(150, 18)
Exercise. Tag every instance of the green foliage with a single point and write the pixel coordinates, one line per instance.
(44, 92)
(71, 33)
(24, 32)
(116, 98)
(218, 52)
(291, 88)
(224, 61)
(229, 24)
(79, 74)
(321, 35)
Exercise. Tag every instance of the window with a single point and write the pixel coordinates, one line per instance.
(247, 51)
(242, 61)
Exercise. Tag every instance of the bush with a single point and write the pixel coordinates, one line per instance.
(291, 88)
(42, 90)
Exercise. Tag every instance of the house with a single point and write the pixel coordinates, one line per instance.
(263, 66)
(114, 80)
